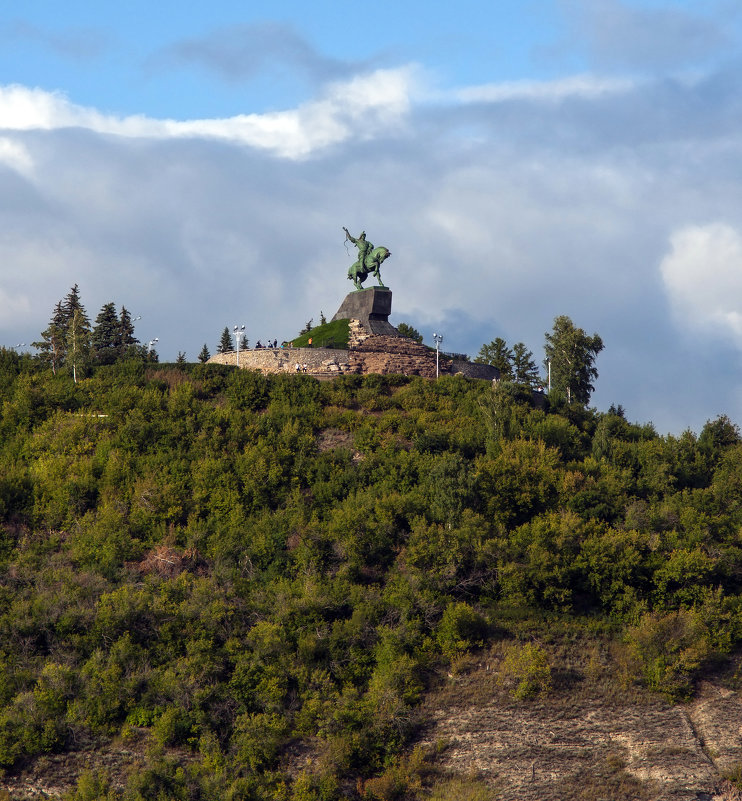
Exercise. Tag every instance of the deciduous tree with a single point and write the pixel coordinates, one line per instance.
(77, 331)
(571, 354)
(53, 340)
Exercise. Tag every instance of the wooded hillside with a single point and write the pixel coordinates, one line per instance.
(263, 577)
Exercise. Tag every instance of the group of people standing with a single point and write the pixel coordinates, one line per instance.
(270, 344)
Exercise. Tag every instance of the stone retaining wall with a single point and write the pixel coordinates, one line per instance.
(374, 346)
(374, 354)
(284, 360)
(385, 355)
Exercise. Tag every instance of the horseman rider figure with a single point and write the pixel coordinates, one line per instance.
(369, 259)
(363, 245)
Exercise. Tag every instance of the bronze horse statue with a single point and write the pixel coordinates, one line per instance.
(370, 260)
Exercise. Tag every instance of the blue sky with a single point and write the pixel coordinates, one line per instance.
(225, 58)
(522, 160)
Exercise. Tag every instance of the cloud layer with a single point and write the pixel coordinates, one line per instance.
(615, 200)
(360, 108)
(703, 276)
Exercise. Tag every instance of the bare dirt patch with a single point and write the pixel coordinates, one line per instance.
(585, 741)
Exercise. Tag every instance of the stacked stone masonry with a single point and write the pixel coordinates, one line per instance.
(374, 346)
(382, 355)
(385, 355)
(318, 361)
(369, 354)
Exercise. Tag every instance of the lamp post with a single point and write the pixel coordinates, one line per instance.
(238, 334)
(437, 338)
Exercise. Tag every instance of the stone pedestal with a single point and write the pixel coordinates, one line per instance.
(371, 307)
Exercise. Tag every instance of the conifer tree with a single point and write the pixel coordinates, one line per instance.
(67, 339)
(499, 355)
(126, 336)
(106, 335)
(410, 332)
(71, 304)
(525, 370)
(204, 356)
(181, 357)
(225, 343)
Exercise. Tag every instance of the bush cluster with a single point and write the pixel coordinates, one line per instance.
(241, 568)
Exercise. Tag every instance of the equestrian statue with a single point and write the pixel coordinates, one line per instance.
(369, 260)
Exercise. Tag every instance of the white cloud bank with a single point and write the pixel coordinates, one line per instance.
(504, 206)
(363, 106)
(575, 86)
(15, 155)
(703, 278)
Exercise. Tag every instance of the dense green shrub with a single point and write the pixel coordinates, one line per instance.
(239, 563)
(526, 671)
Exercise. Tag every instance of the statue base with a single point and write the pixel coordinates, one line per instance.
(371, 307)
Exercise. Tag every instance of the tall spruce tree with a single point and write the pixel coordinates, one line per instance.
(525, 370)
(126, 336)
(225, 343)
(499, 355)
(571, 354)
(410, 332)
(204, 356)
(106, 335)
(71, 304)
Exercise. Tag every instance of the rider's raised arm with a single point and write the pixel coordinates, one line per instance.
(348, 235)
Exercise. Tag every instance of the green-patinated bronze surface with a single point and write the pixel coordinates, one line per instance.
(370, 260)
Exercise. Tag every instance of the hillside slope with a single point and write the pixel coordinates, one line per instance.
(218, 584)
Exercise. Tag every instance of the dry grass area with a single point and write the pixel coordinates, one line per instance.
(594, 737)
(54, 775)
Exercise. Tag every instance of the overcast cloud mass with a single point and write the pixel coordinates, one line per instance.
(603, 182)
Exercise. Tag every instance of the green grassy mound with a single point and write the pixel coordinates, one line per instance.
(329, 335)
